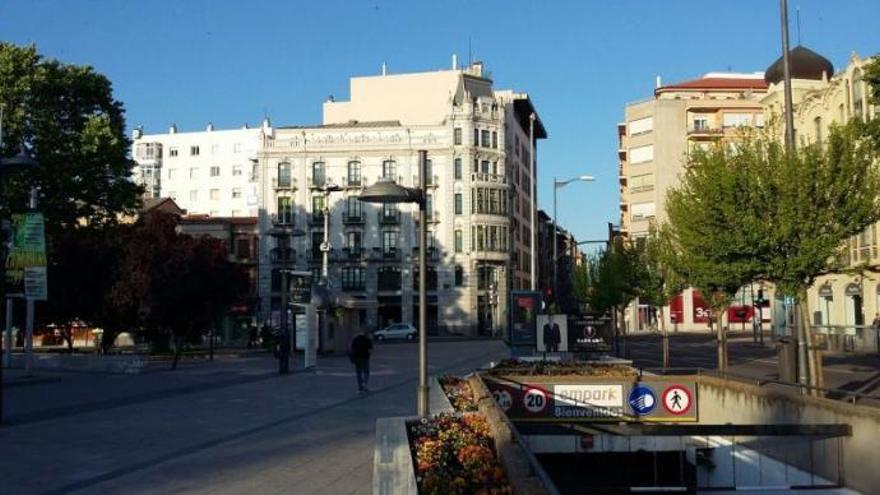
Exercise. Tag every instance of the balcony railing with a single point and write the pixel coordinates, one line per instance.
(352, 219)
(705, 131)
(490, 178)
(282, 218)
(430, 217)
(282, 183)
(353, 182)
(352, 253)
(389, 218)
(317, 182)
(316, 219)
(432, 181)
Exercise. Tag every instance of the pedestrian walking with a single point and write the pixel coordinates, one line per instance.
(359, 353)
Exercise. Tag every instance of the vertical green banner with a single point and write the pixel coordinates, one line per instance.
(26, 263)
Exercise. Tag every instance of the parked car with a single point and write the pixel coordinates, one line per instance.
(396, 331)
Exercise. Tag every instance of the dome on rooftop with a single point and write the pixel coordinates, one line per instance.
(805, 64)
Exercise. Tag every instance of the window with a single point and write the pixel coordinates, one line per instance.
(389, 242)
(214, 194)
(429, 173)
(484, 139)
(318, 207)
(432, 279)
(389, 211)
(285, 210)
(640, 126)
(318, 174)
(429, 207)
(643, 211)
(476, 137)
(194, 195)
(172, 151)
(641, 154)
(236, 170)
(353, 278)
(458, 241)
(284, 174)
(193, 151)
(354, 173)
(456, 133)
(389, 170)
(215, 148)
(476, 165)
(640, 183)
(215, 171)
(236, 148)
(485, 277)
(317, 239)
(457, 203)
(495, 139)
(459, 276)
(701, 123)
(353, 241)
(737, 120)
(817, 123)
(243, 248)
(489, 201)
(193, 173)
(490, 238)
(236, 192)
(457, 168)
(353, 207)
(171, 172)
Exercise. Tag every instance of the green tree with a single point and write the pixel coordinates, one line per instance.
(613, 283)
(716, 225)
(662, 278)
(66, 115)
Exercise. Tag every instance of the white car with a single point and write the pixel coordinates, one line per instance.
(396, 331)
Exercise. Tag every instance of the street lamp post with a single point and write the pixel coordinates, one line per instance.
(22, 161)
(387, 191)
(282, 235)
(559, 184)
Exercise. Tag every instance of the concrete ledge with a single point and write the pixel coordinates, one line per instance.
(438, 402)
(525, 474)
(393, 470)
(127, 364)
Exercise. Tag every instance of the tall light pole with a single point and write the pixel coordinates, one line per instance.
(559, 184)
(326, 247)
(533, 272)
(22, 161)
(282, 234)
(387, 191)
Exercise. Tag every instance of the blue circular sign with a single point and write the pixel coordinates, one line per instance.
(642, 400)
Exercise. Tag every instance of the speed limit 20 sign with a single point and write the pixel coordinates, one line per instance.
(534, 400)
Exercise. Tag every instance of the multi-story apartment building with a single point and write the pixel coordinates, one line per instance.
(823, 98)
(653, 143)
(477, 141)
(211, 172)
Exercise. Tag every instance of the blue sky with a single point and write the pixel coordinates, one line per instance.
(227, 62)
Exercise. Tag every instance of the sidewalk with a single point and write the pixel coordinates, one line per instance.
(308, 432)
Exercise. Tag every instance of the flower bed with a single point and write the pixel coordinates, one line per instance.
(555, 368)
(456, 456)
(459, 393)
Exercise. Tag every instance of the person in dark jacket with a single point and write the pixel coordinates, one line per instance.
(359, 353)
(552, 336)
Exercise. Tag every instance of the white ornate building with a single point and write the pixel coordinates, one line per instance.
(477, 141)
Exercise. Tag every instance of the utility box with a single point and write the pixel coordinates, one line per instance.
(786, 352)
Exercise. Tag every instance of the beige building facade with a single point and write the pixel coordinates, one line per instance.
(654, 141)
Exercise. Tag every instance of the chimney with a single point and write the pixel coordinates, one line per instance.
(384, 69)
(172, 129)
(210, 127)
(658, 83)
(454, 61)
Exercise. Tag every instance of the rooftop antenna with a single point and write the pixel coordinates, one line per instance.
(798, 15)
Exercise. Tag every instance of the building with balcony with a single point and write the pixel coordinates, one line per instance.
(653, 143)
(210, 172)
(477, 141)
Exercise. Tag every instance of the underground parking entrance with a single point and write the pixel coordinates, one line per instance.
(615, 431)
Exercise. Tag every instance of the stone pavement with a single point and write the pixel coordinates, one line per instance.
(232, 426)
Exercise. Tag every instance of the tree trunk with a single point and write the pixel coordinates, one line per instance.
(623, 327)
(665, 337)
(813, 356)
(721, 336)
(615, 329)
(177, 344)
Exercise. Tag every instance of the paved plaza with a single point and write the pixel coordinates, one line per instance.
(228, 426)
